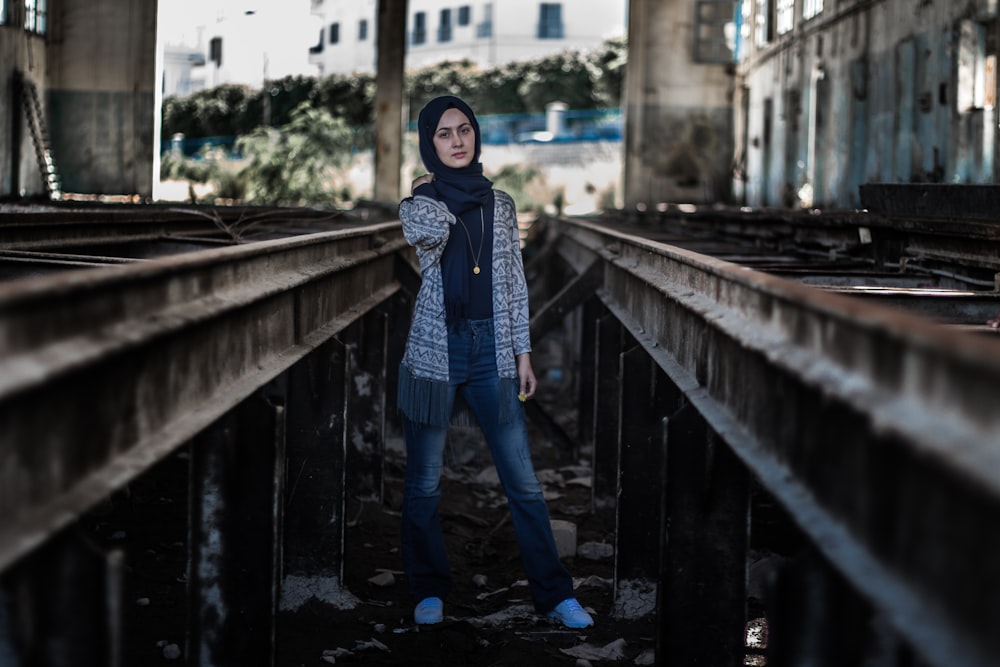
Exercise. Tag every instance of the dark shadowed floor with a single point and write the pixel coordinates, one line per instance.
(489, 618)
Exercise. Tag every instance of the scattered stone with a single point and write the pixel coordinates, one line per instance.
(487, 595)
(522, 612)
(646, 658)
(383, 579)
(373, 643)
(171, 652)
(551, 496)
(379, 628)
(634, 599)
(595, 550)
(488, 476)
(549, 476)
(480, 580)
(613, 651)
(594, 581)
(335, 653)
(576, 473)
(564, 533)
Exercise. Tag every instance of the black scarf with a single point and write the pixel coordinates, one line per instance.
(468, 194)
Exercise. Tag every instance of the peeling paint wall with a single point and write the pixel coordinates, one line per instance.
(867, 91)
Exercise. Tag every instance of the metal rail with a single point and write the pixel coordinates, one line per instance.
(102, 373)
(877, 430)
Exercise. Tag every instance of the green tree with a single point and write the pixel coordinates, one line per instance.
(206, 113)
(607, 67)
(583, 80)
(276, 101)
(455, 77)
(564, 77)
(351, 98)
(292, 165)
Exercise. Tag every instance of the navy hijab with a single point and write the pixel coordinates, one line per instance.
(468, 194)
(461, 189)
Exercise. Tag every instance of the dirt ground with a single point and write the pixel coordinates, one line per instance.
(489, 622)
(489, 618)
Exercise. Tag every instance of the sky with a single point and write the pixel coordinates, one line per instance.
(283, 30)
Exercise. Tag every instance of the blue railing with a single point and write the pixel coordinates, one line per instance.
(497, 129)
(519, 128)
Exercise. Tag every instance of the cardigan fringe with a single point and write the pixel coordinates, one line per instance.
(425, 401)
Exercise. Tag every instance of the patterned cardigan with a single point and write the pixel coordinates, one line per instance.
(423, 373)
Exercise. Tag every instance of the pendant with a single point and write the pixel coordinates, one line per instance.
(476, 270)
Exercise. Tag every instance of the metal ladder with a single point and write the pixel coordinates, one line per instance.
(40, 137)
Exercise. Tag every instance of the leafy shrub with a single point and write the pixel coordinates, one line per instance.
(292, 165)
(583, 80)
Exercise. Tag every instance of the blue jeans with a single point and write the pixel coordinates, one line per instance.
(473, 372)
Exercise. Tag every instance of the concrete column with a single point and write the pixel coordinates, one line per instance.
(678, 113)
(102, 79)
(22, 58)
(389, 81)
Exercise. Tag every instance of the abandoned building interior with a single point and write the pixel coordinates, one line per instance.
(767, 430)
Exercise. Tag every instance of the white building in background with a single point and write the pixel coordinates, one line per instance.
(183, 70)
(239, 41)
(487, 33)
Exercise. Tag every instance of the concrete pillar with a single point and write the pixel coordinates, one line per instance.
(389, 100)
(101, 85)
(22, 56)
(678, 113)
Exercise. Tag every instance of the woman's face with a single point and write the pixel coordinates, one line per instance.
(454, 139)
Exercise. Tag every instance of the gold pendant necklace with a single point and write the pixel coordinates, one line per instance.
(468, 237)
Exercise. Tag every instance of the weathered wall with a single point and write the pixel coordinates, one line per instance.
(101, 85)
(867, 92)
(679, 129)
(25, 54)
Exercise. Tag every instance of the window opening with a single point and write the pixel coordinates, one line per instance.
(36, 16)
(785, 19)
(550, 25)
(485, 28)
(444, 29)
(811, 8)
(714, 27)
(419, 28)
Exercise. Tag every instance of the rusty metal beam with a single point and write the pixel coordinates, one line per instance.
(572, 295)
(313, 501)
(233, 535)
(876, 429)
(937, 201)
(702, 602)
(944, 305)
(105, 371)
(608, 347)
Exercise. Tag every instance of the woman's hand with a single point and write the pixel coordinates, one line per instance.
(420, 180)
(526, 376)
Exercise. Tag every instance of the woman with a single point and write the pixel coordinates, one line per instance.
(468, 345)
